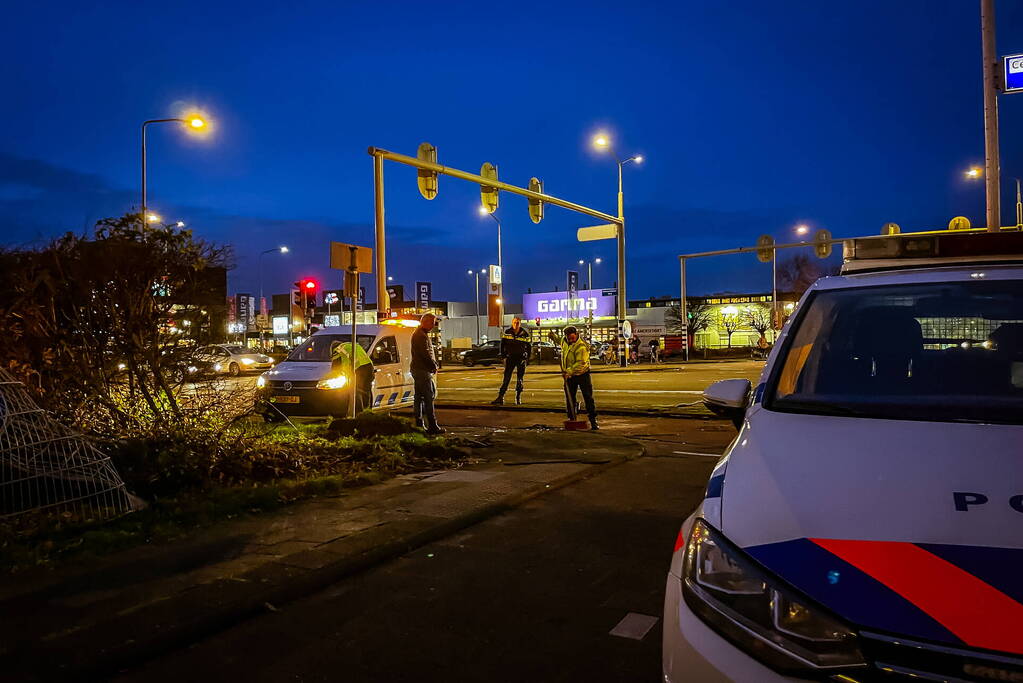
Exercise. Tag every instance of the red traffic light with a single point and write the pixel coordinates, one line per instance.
(309, 284)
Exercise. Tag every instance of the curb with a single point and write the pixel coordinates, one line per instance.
(289, 586)
(616, 412)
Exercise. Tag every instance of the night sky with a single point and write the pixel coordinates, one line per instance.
(753, 116)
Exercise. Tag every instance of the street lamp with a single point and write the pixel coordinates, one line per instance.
(974, 173)
(193, 123)
(280, 250)
(484, 212)
(589, 270)
(476, 292)
(802, 229)
(603, 142)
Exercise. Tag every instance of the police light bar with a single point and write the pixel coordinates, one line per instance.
(910, 250)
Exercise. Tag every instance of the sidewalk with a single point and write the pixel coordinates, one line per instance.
(89, 621)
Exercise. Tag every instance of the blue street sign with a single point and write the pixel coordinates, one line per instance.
(1013, 71)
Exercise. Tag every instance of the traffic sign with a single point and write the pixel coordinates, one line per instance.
(1012, 73)
(607, 231)
(822, 243)
(765, 248)
(344, 256)
(890, 229)
(627, 329)
(535, 205)
(427, 179)
(959, 223)
(488, 193)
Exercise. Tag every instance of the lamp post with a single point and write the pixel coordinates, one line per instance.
(476, 292)
(195, 123)
(589, 270)
(281, 250)
(603, 142)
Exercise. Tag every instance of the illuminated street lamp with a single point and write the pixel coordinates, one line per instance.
(603, 142)
(802, 229)
(194, 123)
(974, 173)
(476, 292)
(262, 311)
(500, 264)
(589, 270)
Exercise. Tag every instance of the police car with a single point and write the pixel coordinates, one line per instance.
(867, 522)
(306, 384)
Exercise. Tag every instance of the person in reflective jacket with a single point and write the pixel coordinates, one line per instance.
(515, 349)
(575, 368)
(341, 362)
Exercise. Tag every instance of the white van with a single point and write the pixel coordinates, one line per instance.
(303, 384)
(867, 522)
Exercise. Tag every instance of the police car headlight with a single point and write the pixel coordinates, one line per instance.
(261, 381)
(338, 382)
(768, 620)
(247, 361)
(216, 368)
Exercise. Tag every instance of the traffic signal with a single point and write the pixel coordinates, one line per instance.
(309, 288)
(427, 179)
(488, 193)
(298, 295)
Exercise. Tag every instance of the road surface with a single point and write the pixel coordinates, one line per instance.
(531, 595)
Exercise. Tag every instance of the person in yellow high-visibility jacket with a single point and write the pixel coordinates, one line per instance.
(575, 368)
(341, 360)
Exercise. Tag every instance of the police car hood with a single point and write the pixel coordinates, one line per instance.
(914, 528)
(299, 371)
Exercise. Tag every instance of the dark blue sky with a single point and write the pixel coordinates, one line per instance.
(753, 116)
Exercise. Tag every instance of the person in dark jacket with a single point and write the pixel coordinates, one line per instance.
(424, 368)
(515, 349)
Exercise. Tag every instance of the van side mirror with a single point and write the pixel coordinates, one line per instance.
(728, 398)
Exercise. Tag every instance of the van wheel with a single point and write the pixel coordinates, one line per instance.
(234, 369)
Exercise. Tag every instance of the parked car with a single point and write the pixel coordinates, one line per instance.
(232, 359)
(487, 353)
(546, 352)
(865, 523)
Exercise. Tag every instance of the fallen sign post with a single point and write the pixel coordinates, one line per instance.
(353, 260)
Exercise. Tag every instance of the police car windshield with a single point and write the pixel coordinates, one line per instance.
(941, 351)
(317, 348)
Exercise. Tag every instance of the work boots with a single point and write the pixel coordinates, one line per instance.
(518, 398)
(499, 401)
(593, 424)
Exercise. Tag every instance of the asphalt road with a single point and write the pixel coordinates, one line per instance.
(531, 595)
(662, 387)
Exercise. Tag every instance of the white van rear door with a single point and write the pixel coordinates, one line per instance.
(389, 385)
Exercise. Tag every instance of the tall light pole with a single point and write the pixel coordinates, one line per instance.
(195, 123)
(280, 250)
(476, 292)
(603, 142)
(991, 161)
(589, 270)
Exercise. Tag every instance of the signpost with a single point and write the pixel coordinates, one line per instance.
(1012, 72)
(353, 260)
(608, 231)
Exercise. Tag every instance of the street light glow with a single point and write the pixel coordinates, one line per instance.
(802, 229)
(181, 224)
(152, 218)
(483, 211)
(596, 260)
(974, 172)
(196, 122)
(284, 250)
(638, 158)
(601, 141)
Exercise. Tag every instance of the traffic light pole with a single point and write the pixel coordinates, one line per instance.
(379, 155)
(992, 170)
(623, 356)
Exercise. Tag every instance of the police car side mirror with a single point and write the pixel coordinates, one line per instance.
(728, 398)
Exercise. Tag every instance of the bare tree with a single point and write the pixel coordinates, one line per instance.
(730, 324)
(799, 271)
(757, 317)
(700, 316)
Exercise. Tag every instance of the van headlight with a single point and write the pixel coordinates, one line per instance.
(261, 381)
(757, 613)
(217, 367)
(247, 361)
(338, 382)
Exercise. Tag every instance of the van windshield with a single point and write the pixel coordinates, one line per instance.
(317, 347)
(940, 351)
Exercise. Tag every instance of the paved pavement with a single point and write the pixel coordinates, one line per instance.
(530, 595)
(89, 620)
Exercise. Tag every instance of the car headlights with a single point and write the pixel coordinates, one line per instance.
(756, 612)
(338, 382)
(261, 381)
(217, 367)
(247, 361)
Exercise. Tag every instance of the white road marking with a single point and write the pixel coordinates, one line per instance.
(596, 391)
(708, 455)
(634, 626)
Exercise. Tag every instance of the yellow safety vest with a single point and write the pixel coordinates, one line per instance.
(575, 358)
(342, 353)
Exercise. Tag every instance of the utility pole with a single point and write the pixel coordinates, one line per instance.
(992, 169)
(1019, 207)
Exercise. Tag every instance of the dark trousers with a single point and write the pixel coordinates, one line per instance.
(364, 384)
(584, 383)
(425, 393)
(518, 366)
